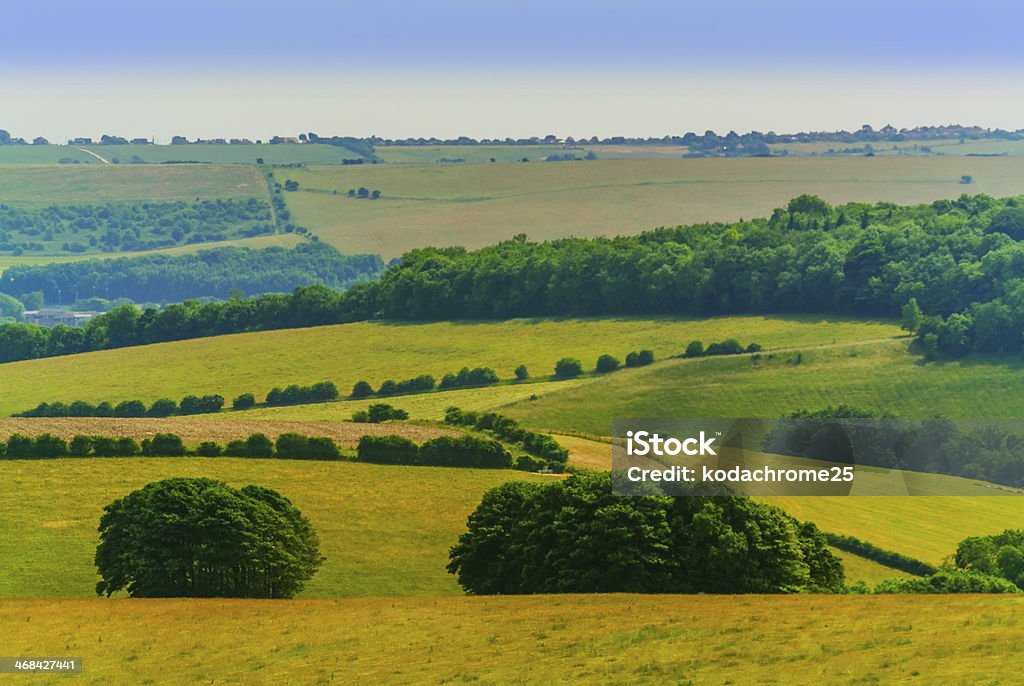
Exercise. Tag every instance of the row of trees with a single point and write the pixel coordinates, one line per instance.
(322, 392)
(164, 407)
(729, 346)
(544, 447)
(443, 451)
(216, 273)
(291, 446)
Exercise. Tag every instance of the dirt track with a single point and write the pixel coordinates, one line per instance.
(193, 430)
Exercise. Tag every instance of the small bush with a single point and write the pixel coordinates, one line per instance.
(361, 389)
(208, 449)
(522, 373)
(607, 363)
(163, 445)
(244, 402)
(568, 368)
(694, 349)
(164, 407)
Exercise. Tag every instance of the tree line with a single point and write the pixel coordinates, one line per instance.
(443, 451)
(215, 273)
(163, 407)
(290, 446)
(951, 256)
(546, 449)
(939, 446)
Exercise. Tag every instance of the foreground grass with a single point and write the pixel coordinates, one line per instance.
(478, 204)
(601, 639)
(385, 530)
(375, 351)
(881, 376)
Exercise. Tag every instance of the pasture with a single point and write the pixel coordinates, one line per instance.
(477, 205)
(597, 639)
(39, 186)
(375, 351)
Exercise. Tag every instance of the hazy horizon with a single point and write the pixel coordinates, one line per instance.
(395, 69)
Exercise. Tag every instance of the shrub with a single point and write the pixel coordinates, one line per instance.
(464, 451)
(469, 378)
(206, 404)
(126, 447)
(20, 447)
(244, 402)
(568, 368)
(381, 412)
(163, 445)
(130, 408)
(387, 450)
(730, 346)
(80, 446)
(948, 582)
(298, 447)
(164, 407)
(104, 446)
(236, 448)
(529, 463)
(694, 349)
(607, 363)
(258, 445)
(50, 446)
(208, 449)
(522, 373)
(361, 389)
(754, 348)
(639, 359)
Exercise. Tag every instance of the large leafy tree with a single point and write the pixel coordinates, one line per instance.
(186, 537)
(576, 536)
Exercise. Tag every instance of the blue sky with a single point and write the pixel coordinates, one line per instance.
(399, 68)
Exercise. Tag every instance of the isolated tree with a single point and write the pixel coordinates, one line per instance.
(243, 402)
(694, 349)
(361, 389)
(522, 373)
(912, 316)
(568, 368)
(195, 537)
(607, 363)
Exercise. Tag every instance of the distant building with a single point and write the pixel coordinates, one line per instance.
(179, 140)
(241, 141)
(140, 141)
(81, 141)
(55, 317)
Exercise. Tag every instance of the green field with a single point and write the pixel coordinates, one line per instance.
(39, 186)
(879, 376)
(384, 530)
(476, 205)
(157, 154)
(599, 639)
(376, 351)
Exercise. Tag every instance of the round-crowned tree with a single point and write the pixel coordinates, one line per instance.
(576, 536)
(194, 537)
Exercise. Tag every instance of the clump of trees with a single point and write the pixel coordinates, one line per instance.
(322, 392)
(419, 384)
(1000, 555)
(640, 358)
(729, 346)
(200, 538)
(541, 446)
(568, 368)
(469, 378)
(443, 451)
(576, 536)
(379, 412)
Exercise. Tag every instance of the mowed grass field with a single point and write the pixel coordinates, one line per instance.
(376, 351)
(477, 205)
(42, 185)
(598, 639)
(385, 530)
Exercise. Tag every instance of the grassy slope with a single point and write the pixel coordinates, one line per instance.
(476, 205)
(230, 365)
(385, 530)
(882, 376)
(621, 639)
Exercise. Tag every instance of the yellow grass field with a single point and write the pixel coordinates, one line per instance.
(598, 639)
(385, 530)
(476, 205)
(375, 351)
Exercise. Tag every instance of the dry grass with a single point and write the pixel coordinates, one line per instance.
(618, 639)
